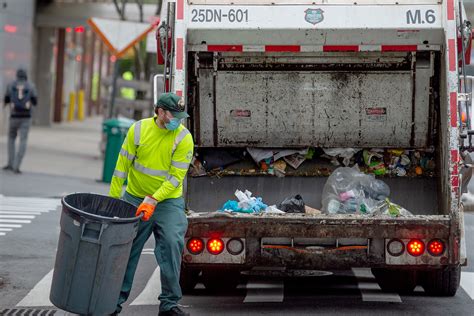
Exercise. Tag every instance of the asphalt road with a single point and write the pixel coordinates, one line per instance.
(27, 257)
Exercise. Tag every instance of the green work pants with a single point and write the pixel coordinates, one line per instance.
(168, 225)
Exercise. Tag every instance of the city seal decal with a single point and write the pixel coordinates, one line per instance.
(314, 16)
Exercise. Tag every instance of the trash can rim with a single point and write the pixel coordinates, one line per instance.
(69, 207)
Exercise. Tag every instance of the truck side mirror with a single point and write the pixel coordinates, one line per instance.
(158, 87)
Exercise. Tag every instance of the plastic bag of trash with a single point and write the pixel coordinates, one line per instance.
(392, 209)
(293, 204)
(348, 190)
(249, 202)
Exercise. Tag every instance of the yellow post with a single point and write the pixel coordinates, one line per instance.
(72, 106)
(80, 105)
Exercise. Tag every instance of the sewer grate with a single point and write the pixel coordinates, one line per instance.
(27, 312)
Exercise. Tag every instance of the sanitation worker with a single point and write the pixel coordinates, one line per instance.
(154, 159)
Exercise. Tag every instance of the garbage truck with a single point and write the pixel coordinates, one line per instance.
(278, 75)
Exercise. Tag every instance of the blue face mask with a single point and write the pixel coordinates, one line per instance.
(173, 124)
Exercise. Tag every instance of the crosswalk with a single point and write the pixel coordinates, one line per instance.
(15, 212)
(261, 291)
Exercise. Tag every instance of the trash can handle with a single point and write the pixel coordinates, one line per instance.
(90, 232)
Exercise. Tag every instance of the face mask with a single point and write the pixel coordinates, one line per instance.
(173, 124)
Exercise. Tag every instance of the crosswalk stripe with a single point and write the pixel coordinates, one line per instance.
(262, 291)
(39, 295)
(17, 216)
(467, 283)
(371, 291)
(18, 213)
(149, 295)
(10, 225)
(5, 229)
(2, 234)
(26, 209)
(16, 221)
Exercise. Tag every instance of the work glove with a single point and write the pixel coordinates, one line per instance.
(147, 208)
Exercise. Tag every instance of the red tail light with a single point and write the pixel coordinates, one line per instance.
(416, 247)
(436, 247)
(215, 246)
(195, 246)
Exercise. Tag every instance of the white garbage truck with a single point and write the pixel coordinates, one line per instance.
(278, 75)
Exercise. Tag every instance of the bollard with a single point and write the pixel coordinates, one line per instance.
(80, 105)
(72, 106)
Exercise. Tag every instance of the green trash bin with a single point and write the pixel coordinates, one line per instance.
(115, 130)
(94, 245)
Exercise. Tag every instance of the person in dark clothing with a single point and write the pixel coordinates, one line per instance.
(21, 96)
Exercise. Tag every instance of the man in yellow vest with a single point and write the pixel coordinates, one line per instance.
(154, 159)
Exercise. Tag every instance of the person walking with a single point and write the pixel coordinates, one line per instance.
(21, 96)
(154, 159)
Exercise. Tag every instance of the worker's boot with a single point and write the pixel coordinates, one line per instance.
(175, 311)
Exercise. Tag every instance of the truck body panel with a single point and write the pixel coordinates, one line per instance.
(280, 74)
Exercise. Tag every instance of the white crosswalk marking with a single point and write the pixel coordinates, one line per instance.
(17, 216)
(16, 221)
(10, 225)
(39, 295)
(467, 283)
(5, 229)
(18, 211)
(370, 290)
(265, 291)
(149, 295)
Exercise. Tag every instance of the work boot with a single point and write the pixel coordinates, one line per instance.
(17, 171)
(8, 168)
(175, 311)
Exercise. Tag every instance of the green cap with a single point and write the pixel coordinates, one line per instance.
(173, 103)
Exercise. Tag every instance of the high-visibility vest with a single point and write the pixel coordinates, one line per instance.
(153, 160)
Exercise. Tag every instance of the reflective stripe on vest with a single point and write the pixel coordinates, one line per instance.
(120, 174)
(180, 165)
(178, 140)
(125, 153)
(150, 172)
(173, 180)
(136, 134)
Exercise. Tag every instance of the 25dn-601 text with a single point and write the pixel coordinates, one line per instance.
(217, 15)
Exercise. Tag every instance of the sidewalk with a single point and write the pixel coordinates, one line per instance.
(60, 159)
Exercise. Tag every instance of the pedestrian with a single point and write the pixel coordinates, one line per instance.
(154, 160)
(20, 95)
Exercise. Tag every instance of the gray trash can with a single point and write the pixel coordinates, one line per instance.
(93, 250)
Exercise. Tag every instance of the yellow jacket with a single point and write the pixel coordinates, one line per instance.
(153, 160)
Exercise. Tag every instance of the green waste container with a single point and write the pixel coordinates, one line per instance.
(115, 130)
(94, 245)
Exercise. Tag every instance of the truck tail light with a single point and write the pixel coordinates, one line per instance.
(235, 246)
(195, 246)
(395, 247)
(436, 247)
(215, 246)
(416, 247)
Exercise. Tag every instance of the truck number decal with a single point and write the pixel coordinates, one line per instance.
(416, 17)
(217, 15)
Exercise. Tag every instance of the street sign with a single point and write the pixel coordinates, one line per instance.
(119, 35)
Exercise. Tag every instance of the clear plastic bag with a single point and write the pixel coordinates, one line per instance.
(348, 190)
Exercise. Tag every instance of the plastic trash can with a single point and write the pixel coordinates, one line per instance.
(93, 250)
(116, 131)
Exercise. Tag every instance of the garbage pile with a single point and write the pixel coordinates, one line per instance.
(278, 162)
(349, 191)
(246, 203)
